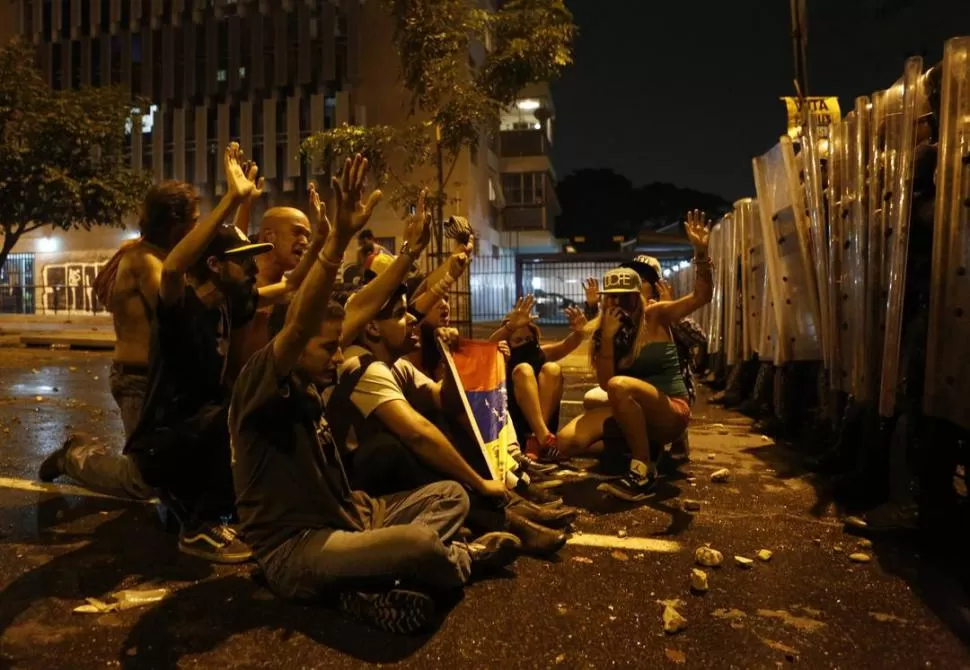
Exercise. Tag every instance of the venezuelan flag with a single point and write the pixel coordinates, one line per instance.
(480, 370)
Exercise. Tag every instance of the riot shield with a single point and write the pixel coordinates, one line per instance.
(835, 212)
(729, 263)
(855, 324)
(903, 103)
(714, 332)
(769, 332)
(752, 276)
(876, 242)
(791, 300)
(947, 386)
(814, 224)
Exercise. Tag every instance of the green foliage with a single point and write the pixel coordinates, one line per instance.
(62, 153)
(462, 66)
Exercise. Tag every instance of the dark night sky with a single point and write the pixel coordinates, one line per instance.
(686, 91)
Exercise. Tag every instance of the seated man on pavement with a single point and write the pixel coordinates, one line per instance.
(181, 443)
(379, 409)
(314, 535)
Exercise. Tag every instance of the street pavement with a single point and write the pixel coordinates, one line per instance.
(596, 606)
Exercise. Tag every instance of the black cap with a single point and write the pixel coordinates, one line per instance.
(230, 242)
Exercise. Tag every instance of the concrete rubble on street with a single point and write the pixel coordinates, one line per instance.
(62, 548)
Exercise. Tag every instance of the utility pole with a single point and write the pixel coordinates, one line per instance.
(799, 34)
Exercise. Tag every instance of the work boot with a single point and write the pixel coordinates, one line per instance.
(558, 517)
(536, 539)
(491, 551)
(55, 464)
(539, 495)
(396, 611)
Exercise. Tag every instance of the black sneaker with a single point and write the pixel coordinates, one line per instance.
(492, 551)
(216, 543)
(535, 469)
(630, 489)
(53, 466)
(396, 611)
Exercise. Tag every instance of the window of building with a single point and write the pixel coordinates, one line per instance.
(525, 188)
(136, 48)
(105, 16)
(46, 19)
(234, 122)
(329, 112)
(85, 17)
(75, 65)
(116, 60)
(57, 66)
(388, 243)
(17, 284)
(125, 23)
(65, 26)
(95, 63)
(221, 75)
(512, 188)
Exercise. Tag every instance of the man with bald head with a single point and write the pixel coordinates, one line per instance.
(288, 230)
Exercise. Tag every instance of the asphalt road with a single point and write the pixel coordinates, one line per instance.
(595, 607)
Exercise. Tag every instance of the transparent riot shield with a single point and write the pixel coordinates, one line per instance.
(855, 324)
(905, 99)
(947, 386)
(834, 170)
(714, 333)
(876, 244)
(814, 224)
(769, 331)
(793, 299)
(752, 276)
(729, 275)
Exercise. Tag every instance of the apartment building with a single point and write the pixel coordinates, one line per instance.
(269, 73)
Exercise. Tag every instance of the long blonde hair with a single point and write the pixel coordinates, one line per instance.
(595, 330)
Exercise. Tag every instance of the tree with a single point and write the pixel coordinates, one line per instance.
(62, 153)
(599, 204)
(454, 98)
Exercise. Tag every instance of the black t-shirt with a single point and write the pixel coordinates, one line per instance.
(287, 472)
(188, 355)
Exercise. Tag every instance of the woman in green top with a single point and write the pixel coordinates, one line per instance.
(635, 358)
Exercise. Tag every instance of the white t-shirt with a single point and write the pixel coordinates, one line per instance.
(381, 384)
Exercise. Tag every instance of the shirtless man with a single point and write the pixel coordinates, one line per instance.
(288, 230)
(171, 210)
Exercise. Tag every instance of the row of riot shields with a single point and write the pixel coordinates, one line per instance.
(820, 268)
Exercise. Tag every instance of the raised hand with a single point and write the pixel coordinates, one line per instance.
(417, 227)
(576, 318)
(592, 288)
(251, 170)
(521, 315)
(352, 213)
(612, 317)
(238, 185)
(318, 212)
(698, 234)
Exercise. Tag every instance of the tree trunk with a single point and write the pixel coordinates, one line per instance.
(10, 240)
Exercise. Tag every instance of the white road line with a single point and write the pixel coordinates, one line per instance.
(62, 489)
(571, 402)
(629, 543)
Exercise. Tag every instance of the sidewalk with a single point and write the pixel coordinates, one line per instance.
(82, 331)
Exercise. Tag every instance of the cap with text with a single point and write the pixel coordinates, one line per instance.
(621, 280)
(646, 267)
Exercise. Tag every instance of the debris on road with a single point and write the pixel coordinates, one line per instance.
(621, 532)
(122, 600)
(720, 476)
(817, 542)
(711, 457)
(72, 369)
(675, 656)
(743, 562)
(864, 544)
(765, 438)
(34, 370)
(790, 654)
(859, 557)
(733, 616)
(620, 556)
(582, 559)
(837, 549)
(674, 621)
(698, 581)
(764, 555)
(802, 623)
(709, 558)
(691, 506)
(882, 617)
(39, 398)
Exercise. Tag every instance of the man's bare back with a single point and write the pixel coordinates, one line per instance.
(133, 302)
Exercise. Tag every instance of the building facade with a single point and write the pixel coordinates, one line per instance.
(268, 73)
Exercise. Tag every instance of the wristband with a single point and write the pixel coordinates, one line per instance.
(329, 262)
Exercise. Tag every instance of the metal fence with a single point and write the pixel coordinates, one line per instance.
(556, 281)
(49, 299)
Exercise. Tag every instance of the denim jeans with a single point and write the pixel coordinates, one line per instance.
(408, 544)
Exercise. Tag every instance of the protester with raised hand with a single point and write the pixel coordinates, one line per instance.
(312, 534)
